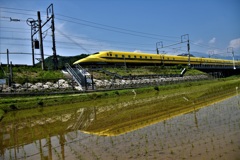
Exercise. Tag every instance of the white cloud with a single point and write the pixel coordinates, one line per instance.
(212, 41)
(75, 43)
(198, 41)
(137, 51)
(235, 43)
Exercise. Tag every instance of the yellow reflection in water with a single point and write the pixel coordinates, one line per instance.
(128, 116)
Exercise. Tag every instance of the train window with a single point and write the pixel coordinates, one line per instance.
(122, 56)
(116, 55)
(141, 57)
(145, 57)
(135, 56)
(150, 57)
(129, 56)
(173, 58)
(110, 54)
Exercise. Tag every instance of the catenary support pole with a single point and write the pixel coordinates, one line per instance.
(41, 40)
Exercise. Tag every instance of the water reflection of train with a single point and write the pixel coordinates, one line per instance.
(132, 58)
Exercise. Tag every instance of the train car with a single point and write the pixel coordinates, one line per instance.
(114, 57)
(133, 58)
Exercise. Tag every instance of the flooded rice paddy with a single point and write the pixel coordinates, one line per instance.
(133, 128)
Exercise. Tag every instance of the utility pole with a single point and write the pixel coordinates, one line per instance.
(33, 23)
(188, 46)
(55, 60)
(40, 39)
(9, 72)
(186, 37)
(50, 11)
(33, 57)
(230, 50)
(38, 24)
(210, 53)
(8, 61)
(157, 46)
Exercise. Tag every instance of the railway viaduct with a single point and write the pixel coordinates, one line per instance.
(218, 70)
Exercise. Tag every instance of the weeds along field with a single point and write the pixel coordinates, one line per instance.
(189, 122)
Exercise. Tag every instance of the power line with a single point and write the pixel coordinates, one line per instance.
(21, 53)
(97, 25)
(93, 25)
(107, 29)
(86, 21)
(69, 38)
(206, 46)
(73, 42)
(14, 31)
(118, 28)
(18, 9)
(104, 40)
(11, 38)
(13, 28)
(19, 13)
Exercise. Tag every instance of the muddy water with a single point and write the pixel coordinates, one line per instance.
(140, 128)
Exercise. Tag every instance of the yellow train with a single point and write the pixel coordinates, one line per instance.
(132, 58)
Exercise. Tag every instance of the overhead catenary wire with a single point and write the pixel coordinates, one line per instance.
(71, 39)
(78, 21)
(118, 28)
(205, 46)
(18, 13)
(20, 9)
(101, 26)
(95, 25)
(20, 53)
(108, 29)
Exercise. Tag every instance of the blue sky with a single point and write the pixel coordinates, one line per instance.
(88, 26)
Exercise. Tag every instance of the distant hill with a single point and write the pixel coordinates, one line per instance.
(186, 54)
(227, 56)
(61, 61)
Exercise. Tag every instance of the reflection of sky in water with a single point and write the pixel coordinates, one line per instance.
(68, 139)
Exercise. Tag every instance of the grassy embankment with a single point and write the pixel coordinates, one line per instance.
(148, 70)
(204, 91)
(31, 74)
(23, 74)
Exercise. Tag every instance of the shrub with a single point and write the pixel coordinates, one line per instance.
(13, 107)
(117, 93)
(1, 114)
(40, 103)
(156, 88)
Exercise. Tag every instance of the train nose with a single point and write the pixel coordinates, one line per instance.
(87, 60)
(80, 61)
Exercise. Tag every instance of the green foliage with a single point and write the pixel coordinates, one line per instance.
(149, 70)
(61, 61)
(117, 93)
(40, 103)
(156, 88)
(1, 114)
(94, 96)
(13, 107)
(1, 74)
(23, 74)
(2, 70)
